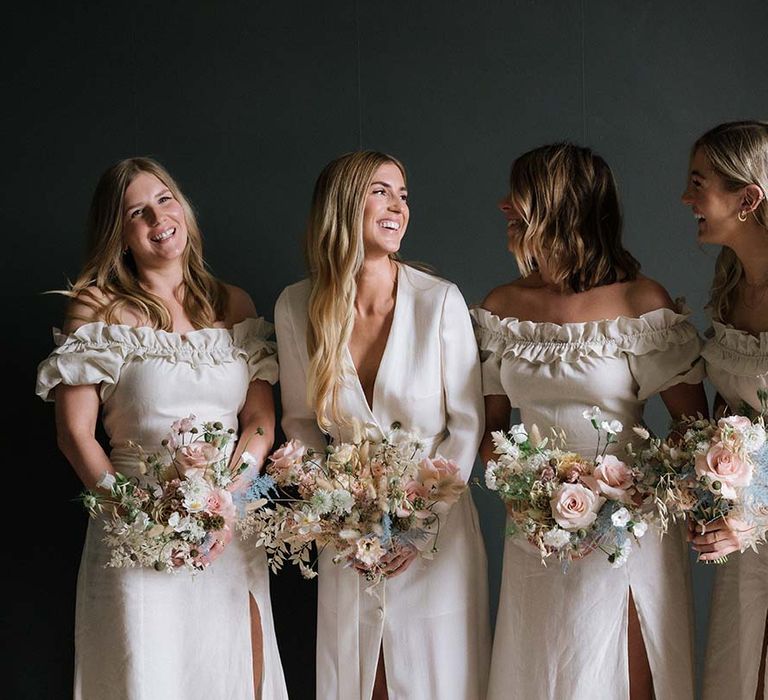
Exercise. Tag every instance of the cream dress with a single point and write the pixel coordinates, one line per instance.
(737, 365)
(141, 634)
(563, 636)
(432, 620)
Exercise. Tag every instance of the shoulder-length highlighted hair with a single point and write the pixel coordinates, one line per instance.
(113, 272)
(334, 253)
(567, 198)
(738, 153)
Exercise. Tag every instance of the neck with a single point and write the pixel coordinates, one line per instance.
(165, 282)
(376, 284)
(752, 250)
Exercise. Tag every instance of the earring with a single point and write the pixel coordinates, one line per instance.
(742, 216)
(125, 250)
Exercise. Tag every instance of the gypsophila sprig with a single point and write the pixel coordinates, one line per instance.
(181, 512)
(564, 504)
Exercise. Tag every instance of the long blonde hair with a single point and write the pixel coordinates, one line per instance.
(334, 252)
(112, 270)
(738, 153)
(567, 197)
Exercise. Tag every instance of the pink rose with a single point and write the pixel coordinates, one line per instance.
(193, 459)
(183, 425)
(285, 457)
(735, 422)
(575, 506)
(721, 465)
(220, 503)
(613, 478)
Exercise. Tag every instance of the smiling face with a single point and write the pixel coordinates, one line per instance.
(715, 207)
(385, 216)
(515, 223)
(154, 225)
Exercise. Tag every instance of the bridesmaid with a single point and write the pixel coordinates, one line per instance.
(583, 327)
(726, 191)
(370, 339)
(151, 336)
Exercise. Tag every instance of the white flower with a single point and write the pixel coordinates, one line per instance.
(195, 492)
(622, 555)
(249, 459)
(592, 413)
(753, 437)
(307, 522)
(503, 444)
(107, 481)
(642, 432)
(343, 501)
(369, 550)
(557, 538)
(141, 522)
(490, 476)
(613, 427)
(621, 517)
(639, 528)
(518, 433)
(321, 501)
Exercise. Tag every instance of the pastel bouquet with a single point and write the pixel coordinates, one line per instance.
(367, 499)
(711, 470)
(567, 505)
(180, 513)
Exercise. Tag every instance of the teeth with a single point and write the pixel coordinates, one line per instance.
(390, 224)
(163, 235)
(698, 217)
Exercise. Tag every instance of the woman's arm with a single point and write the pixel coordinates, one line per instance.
(257, 423)
(685, 400)
(497, 412)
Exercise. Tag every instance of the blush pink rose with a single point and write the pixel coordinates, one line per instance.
(735, 422)
(726, 467)
(220, 503)
(286, 456)
(613, 478)
(193, 459)
(575, 506)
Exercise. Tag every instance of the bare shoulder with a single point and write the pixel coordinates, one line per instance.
(87, 307)
(509, 300)
(644, 295)
(239, 305)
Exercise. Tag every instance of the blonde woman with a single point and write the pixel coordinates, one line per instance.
(726, 191)
(151, 337)
(582, 327)
(370, 340)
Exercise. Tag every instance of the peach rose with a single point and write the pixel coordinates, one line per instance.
(725, 468)
(285, 456)
(193, 459)
(613, 477)
(220, 503)
(575, 506)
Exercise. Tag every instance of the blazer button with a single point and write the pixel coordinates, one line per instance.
(380, 613)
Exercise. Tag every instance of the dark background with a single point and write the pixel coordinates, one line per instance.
(244, 102)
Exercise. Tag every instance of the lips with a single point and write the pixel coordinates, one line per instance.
(163, 235)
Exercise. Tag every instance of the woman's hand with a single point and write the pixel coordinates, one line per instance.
(398, 559)
(717, 539)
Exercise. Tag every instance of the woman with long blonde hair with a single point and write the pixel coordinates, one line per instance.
(370, 341)
(726, 190)
(151, 337)
(581, 328)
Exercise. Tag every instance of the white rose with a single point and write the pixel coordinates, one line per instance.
(621, 517)
(518, 433)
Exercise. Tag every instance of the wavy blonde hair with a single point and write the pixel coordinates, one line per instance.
(567, 198)
(738, 153)
(113, 272)
(334, 253)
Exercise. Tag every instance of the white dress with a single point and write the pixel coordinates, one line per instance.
(563, 636)
(737, 365)
(141, 634)
(432, 620)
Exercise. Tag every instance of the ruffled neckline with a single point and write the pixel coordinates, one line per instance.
(736, 351)
(546, 341)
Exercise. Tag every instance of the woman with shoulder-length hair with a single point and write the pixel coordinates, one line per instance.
(581, 328)
(727, 186)
(369, 340)
(151, 337)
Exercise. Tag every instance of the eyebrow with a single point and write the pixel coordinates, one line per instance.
(141, 204)
(386, 184)
(698, 174)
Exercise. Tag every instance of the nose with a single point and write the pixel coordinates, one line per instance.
(395, 203)
(504, 205)
(686, 197)
(152, 215)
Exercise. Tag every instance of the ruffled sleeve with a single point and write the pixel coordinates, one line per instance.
(90, 355)
(491, 341)
(250, 337)
(736, 352)
(666, 351)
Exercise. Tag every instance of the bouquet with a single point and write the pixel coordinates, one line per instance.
(181, 512)
(368, 499)
(564, 504)
(715, 469)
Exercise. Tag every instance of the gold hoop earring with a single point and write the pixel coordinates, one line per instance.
(742, 216)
